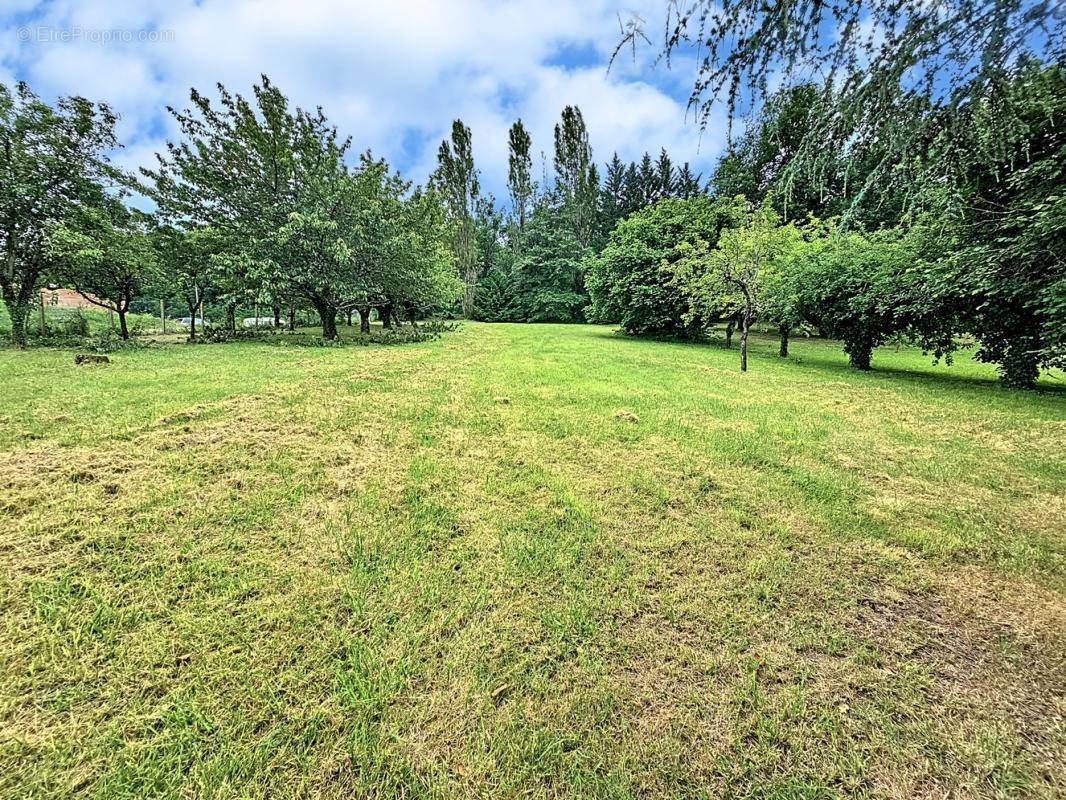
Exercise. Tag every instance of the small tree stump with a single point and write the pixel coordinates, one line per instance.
(89, 358)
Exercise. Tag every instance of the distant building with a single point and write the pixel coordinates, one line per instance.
(66, 298)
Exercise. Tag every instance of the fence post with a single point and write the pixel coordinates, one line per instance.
(162, 316)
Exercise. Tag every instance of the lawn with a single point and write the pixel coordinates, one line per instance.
(529, 560)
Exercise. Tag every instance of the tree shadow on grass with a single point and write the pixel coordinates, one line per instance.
(827, 356)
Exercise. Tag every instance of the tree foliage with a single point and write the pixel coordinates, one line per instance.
(53, 159)
(631, 281)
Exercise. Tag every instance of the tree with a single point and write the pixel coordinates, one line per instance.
(867, 288)
(519, 174)
(421, 275)
(666, 178)
(52, 160)
(632, 281)
(734, 274)
(613, 194)
(456, 178)
(647, 181)
(257, 173)
(763, 161)
(107, 257)
(688, 185)
(183, 265)
(576, 176)
(548, 271)
(497, 298)
(1005, 268)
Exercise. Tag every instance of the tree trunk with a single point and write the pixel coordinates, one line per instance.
(730, 326)
(783, 350)
(192, 322)
(1019, 367)
(292, 319)
(19, 313)
(231, 317)
(348, 314)
(277, 317)
(385, 312)
(744, 324)
(327, 315)
(412, 313)
(364, 319)
(123, 328)
(860, 350)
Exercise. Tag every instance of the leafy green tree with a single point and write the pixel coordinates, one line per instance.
(735, 274)
(53, 160)
(886, 63)
(632, 281)
(868, 288)
(497, 298)
(763, 161)
(260, 175)
(548, 273)
(184, 270)
(424, 277)
(456, 179)
(1005, 270)
(106, 256)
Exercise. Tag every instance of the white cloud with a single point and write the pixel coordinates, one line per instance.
(389, 75)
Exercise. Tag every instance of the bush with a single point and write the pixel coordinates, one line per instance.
(109, 341)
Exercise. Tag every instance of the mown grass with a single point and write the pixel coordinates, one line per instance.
(528, 560)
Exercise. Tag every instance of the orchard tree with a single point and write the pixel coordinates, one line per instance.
(52, 161)
(184, 270)
(106, 256)
(256, 172)
(736, 272)
(865, 289)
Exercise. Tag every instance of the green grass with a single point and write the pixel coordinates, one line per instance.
(59, 321)
(532, 561)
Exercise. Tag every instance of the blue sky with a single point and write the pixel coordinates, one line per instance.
(391, 75)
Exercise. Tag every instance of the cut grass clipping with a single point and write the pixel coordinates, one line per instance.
(528, 560)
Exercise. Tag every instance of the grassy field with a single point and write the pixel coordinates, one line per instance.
(538, 561)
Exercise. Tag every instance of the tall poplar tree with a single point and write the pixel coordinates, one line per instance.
(576, 176)
(519, 173)
(456, 178)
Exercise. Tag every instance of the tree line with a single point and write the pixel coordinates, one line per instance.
(965, 243)
(862, 208)
(255, 203)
